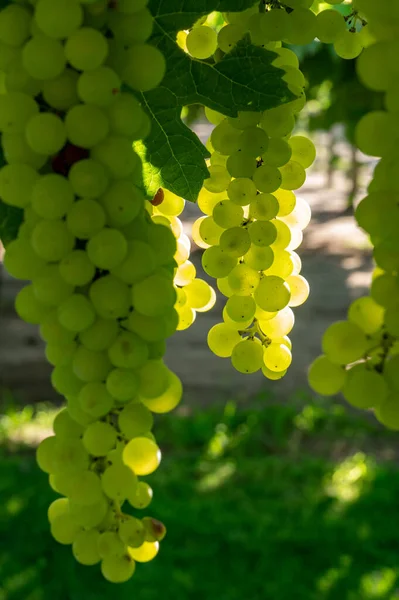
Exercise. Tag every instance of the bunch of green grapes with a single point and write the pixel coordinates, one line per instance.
(361, 354)
(252, 226)
(101, 270)
(193, 294)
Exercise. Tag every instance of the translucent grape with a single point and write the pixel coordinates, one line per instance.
(242, 191)
(247, 356)
(272, 294)
(348, 45)
(217, 263)
(142, 455)
(222, 339)
(325, 377)
(344, 342)
(277, 357)
(241, 308)
(201, 42)
(262, 233)
(267, 178)
(364, 388)
(264, 207)
(235, 241)
(243, 280)
(84, 547)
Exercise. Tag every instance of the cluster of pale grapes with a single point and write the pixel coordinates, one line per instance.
(193, 294)
(252, 227)
(295, 22)
(101, 270)
(361, 355)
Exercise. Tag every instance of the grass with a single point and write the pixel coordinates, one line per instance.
(272, 503)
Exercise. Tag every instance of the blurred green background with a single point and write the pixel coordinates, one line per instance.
(296, 501)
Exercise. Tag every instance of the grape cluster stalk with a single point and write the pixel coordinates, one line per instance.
(361, 354)
(101, 270)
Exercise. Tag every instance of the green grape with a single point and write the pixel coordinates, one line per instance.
(65, 382)
(142, 496)
(286, 200)
(235, 241)
(303, 150)
(387, 412)
(225, 138)
(135, 73)
(98, 87)
(217, 263)
(70, 458)
(138, 264)
(344, 343)
(209, 232)
(348, 45)
(277, 357)
(60, 20)
(213, 116)
(364, 388)
(85, 219)
(293, 176)
(76, 313)
(185, 273)
(135, 27)
(285, 57)
(242, 191)
(51, 240)
(272, 294)
(64, 530)
(116, 154)
(278, 122)
(201, 42)
(109, 544)
(88, 178)
(16, 184)
(58, 507)
(366, 314)
(169, 399)
(122, 384)
(198, 294)
(154, 295)
(222, 339)
(153, 329)
(245, 119)
(90, 515)
(135, 420)
(299, 289)
(264, 207)
(86, 49)
(226, 214)
(18, 80)
(122, 203)
(142, 455)
(86, 125)
(278, 153)
(273, 375)
(154, 378)
(110, 297)
(16, 109)
(100, 335)
(241, 308)
(128, 351)
(119, 481)
(267, 178)
(90, 365)
(228, 37)
(76, 268)
(239, 326)
(49, 287)
(262, 233)
(45, 454)
(241, 165)
(118, 569)
(325, 377)
(45, 190)
(243, 280)
(28, 307)
(17, 150)
(95, 400)
(280, 325)
(253, 142)
(374, 133)
(20, 260)
(154, 530)
(330, 26)
(14, 25)
(284, 235)
(43, 57)
(259, 258)
(275, 25)
(86, 488)
(219, 179)
(391, 372)
(84, 547)
(385, 290)
(126, 115)
(61, 93)
(60, 354)
(391, 321)
(283, 266)
(376, 213)
(372, 68)
(99, 438)
(302, 26)
(65, 426)
(247, 356)
(132, 532)
(146, 552)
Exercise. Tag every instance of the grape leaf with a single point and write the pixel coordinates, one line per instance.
(243, 79)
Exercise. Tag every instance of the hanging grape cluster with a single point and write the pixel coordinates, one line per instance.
(361, 354)
(101, 269)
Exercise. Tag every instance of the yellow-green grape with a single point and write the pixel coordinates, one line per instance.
(253, 142)
(325, 377)
(277, 357)
(235, 241)
(222, 339)
(110, 544)
(274, 24)
(391, 372)
(217, 263)
(85, 547)
(213, 116)
(228, 36)
(245, 119)
(303, 150)
(209, 231)
(99, 438)
(217, 159)
(273, 375)
(278, 152)
(286, 57)
(218, 180)
(364, 388)
(367, 314)
(169, 399)
(267, 178)
(286, 200)
(264, 315)
(242, 191)
(225, 138)
(284, 235)
(391, 321)
(374, 133)
(302, 26)
(239, 326)
(241, 308)
(280, 325)
(330, 25)
(224, 287)
(195, 233)
(344, 343)
(64, 530)
(278, 122)
(243, 280)
(264, 207)
(300, 215)
(185, 273)
(385, 290)
(247, 356)
(372, 67)
(262, 233)
(259, 258)
(226, 214)
(118, 569)
(145, 553)
(142, 496)
(283, 265)
(387, 412)
(198, 294)
(201, 42)
(118, 481)
(299, 289)
(58, 507)
(348, 45)
(132, 532)
(240, 164)
(142, 455)
(293, 175)
(272, 293)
